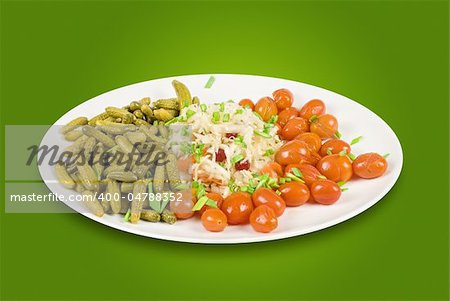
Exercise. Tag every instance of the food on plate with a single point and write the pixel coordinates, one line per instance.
(247, 161)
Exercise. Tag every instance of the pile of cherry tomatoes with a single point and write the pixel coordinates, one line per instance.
(311, 166)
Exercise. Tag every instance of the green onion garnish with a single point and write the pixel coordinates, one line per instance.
(236, 159)
(239, 111)
(230, 100)
(203, 107)
(386, 155)
(329, 152)
(257, 115)
(352, 156)
(226, 117)
(278, 192)
(221, 107)
(189, 114)
(295, 178)
(273, 119)
(313, 118)
(126, 218)
(341, 183)
(342, 153)
(216, 117)
(297, 172)
(262, 134)
(200, 203)
(356, 140)
(338, 135)
(210, 82)
(173, 120)
(322, 177)
(344, 189)
(268, 152)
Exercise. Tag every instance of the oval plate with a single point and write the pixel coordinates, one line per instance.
(354, 120)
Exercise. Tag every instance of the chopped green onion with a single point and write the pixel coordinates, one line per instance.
(297, 172)
(239, 140)
(313, 118)
(239, 111)
(282, 181)
(203, 107)
(341, 183)
(216, 117)
(356, 140)
(344, 189)
(278, 192)
(329, 152)
(155, 123)
(221, 107)
(295, 178)
(230, 100)
(182, 186)
(342, 153)
(173, 120)
(273, 119)
(189, 114)
(338, 135)
(200, 191)
(386, 155)
(247, 107)
(322, 177)
(244, 188)
(262, 134)
(268, 152)
(200, 203)
(126, 218)
(226, 117)
(236, 159)
(210, 82)
(211, 203)
(257, 115)
(352, 156)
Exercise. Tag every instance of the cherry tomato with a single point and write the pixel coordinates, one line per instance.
(214, 220)
(370, 165)
(283, 98)
(294, 127)
(237, 207)
(286, 115)
(273, 169)
(313, 140)
(247, 103)
(266, 107)
(263, 219)
(336, 168)
(294, 193)
(325, 192)
(325, 126)
(334, 146)
(310, 174)
(216, 198)
(312, 107)
(266, 196)
(242, 165)
(296, 151)
(183, 207)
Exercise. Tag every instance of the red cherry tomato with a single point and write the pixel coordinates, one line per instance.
(334, 146)
(370, 165)
(311, 108)
(296, 151)
(237, 207)
(294, 193)
(182, 207)
(247, 103)
(336, 168)
(286, 115)
(217, 198)
(310, 174)
(266, 108)
(263, 219)
(273, 169)
(294, 127)
(283, 98)
(214, 220)
(325, 192)
(325, 126)
(266, 196)
(313, 140)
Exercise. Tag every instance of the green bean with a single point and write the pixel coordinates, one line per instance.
(72, 125)
(123, 176)
(93, 132)
(140, 187)
(113, 189)
(91, 202)
(150, 216)
(63, 176)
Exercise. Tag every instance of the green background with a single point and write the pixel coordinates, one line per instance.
(391, 57)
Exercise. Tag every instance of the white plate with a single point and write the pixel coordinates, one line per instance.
(354, 120)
